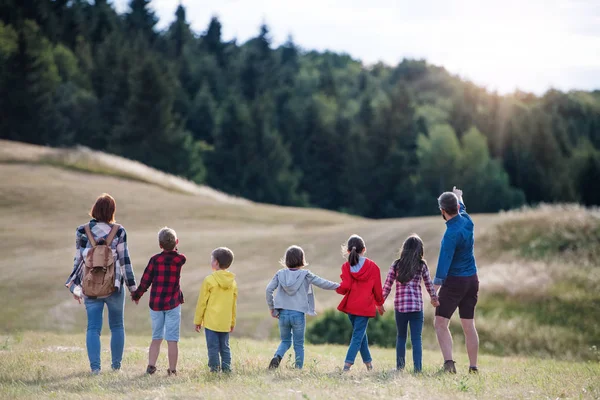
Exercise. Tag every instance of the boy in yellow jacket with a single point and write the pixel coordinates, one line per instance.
(216, 309)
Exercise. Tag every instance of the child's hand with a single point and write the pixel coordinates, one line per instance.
(231, 329)
(198, 328)
(274, 314)
(435, 302)
(381, 309)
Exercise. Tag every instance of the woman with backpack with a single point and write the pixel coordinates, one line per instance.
(102, 266)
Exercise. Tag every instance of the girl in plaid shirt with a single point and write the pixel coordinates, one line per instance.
(407, 272)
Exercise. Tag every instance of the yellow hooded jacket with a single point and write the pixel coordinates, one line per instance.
(217, 302)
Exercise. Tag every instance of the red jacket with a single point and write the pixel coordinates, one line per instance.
(362, 290)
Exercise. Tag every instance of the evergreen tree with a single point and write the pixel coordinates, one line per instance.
(27, 112)
(149, 132)
(141, 20)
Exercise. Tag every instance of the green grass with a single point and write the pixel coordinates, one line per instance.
(55, 366)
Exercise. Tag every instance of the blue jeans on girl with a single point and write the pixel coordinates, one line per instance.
(415, 320)
(359, 341)
(95, 313)
(218, 345)
(291, 327)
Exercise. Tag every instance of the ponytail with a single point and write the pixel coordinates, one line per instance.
(354, 248)
(353, 257)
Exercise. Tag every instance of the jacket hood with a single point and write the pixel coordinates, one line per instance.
(365, 272)
(291, 280)
(224, 279)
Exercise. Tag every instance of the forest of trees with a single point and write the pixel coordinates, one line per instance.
(285, 125)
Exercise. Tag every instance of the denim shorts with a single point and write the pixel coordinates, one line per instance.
(165, 324)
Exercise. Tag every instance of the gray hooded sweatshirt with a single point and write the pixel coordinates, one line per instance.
(294, 290)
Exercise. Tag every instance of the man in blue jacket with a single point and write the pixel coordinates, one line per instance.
(456, 274)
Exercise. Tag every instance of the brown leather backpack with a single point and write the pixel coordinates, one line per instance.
(99, 268)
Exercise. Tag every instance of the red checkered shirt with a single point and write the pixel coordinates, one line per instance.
(408, 295)
(163, 273)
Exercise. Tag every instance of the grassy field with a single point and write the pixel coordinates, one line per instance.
(539, 270)
(40, 366)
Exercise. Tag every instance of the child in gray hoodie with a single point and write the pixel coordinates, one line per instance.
(294, 299)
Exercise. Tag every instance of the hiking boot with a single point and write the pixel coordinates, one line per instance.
(274, 364)
(171, 372)
(450, 366)
(151, 369)
(473, 370)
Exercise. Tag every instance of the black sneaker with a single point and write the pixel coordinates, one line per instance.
(450, 366)
(274, 364)
(172, 372)
(473, 370)
(151, 369)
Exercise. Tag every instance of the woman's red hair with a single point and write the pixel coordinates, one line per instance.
(104, 209)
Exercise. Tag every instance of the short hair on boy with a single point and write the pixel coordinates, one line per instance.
(294, 257)
(167, 238)
(224, 257)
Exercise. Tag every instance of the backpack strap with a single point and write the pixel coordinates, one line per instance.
(89, 235)
(112, 234)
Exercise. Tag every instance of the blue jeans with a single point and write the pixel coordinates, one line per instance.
(415, 320)
(291, 327)
(217, 344)
(359, 341)
(95, 313)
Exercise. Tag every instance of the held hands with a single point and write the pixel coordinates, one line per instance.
(435, 302)
(134, 300)
(198, 328)
(381, 310)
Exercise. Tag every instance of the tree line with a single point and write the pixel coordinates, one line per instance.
(285, 125)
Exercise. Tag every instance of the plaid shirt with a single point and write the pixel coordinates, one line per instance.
(163, 273)
(408, 295)
(123, 269)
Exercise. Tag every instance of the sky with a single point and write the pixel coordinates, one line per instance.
(530, 45)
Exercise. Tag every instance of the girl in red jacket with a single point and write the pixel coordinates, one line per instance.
(361, 287)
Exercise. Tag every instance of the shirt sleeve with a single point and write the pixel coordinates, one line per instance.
(462, 209)
(202, 302)
(321, 282)
(346, 282)
(75, 277)
(125, 261)
(377, 290)
(446, 254)
(270, 289)
(389, 282)
(146, 281)
(427, 281)
(234, 311)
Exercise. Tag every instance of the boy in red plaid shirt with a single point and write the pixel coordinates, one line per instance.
(163, 273)
(407, 272)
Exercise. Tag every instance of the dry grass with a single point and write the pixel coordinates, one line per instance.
(41, 204)
(84, 159)
(41, 366)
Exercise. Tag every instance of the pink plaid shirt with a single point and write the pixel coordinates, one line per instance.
(408, 295)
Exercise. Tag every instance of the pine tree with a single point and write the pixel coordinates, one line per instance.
(141, 19)
(27, 112)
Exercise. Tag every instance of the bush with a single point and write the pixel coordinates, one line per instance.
(333, 327)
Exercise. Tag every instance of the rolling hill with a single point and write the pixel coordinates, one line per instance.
(46, 193)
